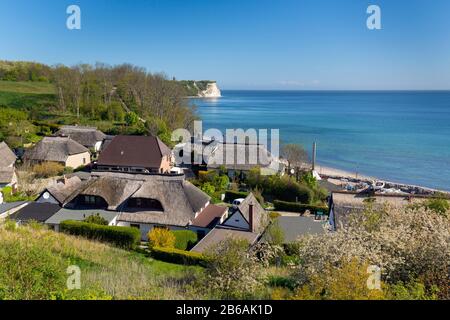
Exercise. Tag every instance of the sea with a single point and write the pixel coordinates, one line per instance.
(399, 136)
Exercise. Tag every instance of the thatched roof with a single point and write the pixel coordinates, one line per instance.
(218, 234)
(235, 156)
(113, 190)
(56, 149)
(6, 175)
(180, 200)
(62, 191)
(86, 136)
(134, 151)
(7, 157)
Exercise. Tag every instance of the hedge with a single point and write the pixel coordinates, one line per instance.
(123, 237)
(178, 256)
(298, 207)
(185, 239)
(233, 195)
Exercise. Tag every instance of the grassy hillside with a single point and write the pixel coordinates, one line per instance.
(27, 87)
(34, 262)
(27, 95)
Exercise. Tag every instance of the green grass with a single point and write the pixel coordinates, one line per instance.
(27, 87)
(34, 263)
(37, 96)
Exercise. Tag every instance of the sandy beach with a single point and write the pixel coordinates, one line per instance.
(323, 170)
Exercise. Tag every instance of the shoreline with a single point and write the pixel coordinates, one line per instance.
(337, 175)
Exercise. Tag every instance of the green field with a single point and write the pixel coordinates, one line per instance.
(27, 95)
(34, 264)
(27, 87)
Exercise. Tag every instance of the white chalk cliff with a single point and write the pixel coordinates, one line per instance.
(212, 91)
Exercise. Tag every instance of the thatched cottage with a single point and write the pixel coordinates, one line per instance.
(62, 150)
(8, 175)
(90, 137)
(139, 201)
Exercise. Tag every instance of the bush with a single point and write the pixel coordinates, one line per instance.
(48, 169)
(124, 237)
(298, 207)
(185, 239)
(178, 256)
(161, 237)
(232, 195)
(96, 219)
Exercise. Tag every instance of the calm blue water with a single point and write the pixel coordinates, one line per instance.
(398, 136)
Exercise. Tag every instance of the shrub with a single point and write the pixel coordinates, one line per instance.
(274, 234)
(96, 219)
(178, 256)
(298, 207)
(161, 237)
(124, 237)
(208, 188)
(233, 271)
(185, 239)
(232, 195)
(48, 169)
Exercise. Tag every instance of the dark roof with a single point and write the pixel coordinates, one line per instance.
(86, 136)
(10, 205)
(210, 217)
(217, 235)
(136, 151)
(36, 211)
(295, 227)
(7, 157)
(56, 149)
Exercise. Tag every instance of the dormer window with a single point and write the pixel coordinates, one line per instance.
(145, 203)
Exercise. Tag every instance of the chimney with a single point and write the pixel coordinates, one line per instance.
(250, 218)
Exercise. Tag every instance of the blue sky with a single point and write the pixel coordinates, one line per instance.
(243, 44)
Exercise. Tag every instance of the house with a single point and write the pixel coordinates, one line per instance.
(89, 137)
(343, 204)
(34, 211)
(61, 150)
(65, 214)
(135, 200)
(247, 222)
(136, 154)
(8, 177)
(239, 158)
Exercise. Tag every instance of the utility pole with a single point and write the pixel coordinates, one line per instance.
(314, 154)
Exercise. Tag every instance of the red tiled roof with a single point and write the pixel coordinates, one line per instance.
(139, 151)
(210, 215)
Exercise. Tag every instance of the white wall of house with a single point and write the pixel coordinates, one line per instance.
(77, 160)
(237, 220)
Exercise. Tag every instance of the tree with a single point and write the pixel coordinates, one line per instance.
(161, 237)
(295, 155)
(131, 119)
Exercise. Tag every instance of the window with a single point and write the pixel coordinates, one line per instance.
(136, 226)
(84, 160)
(149, 204)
